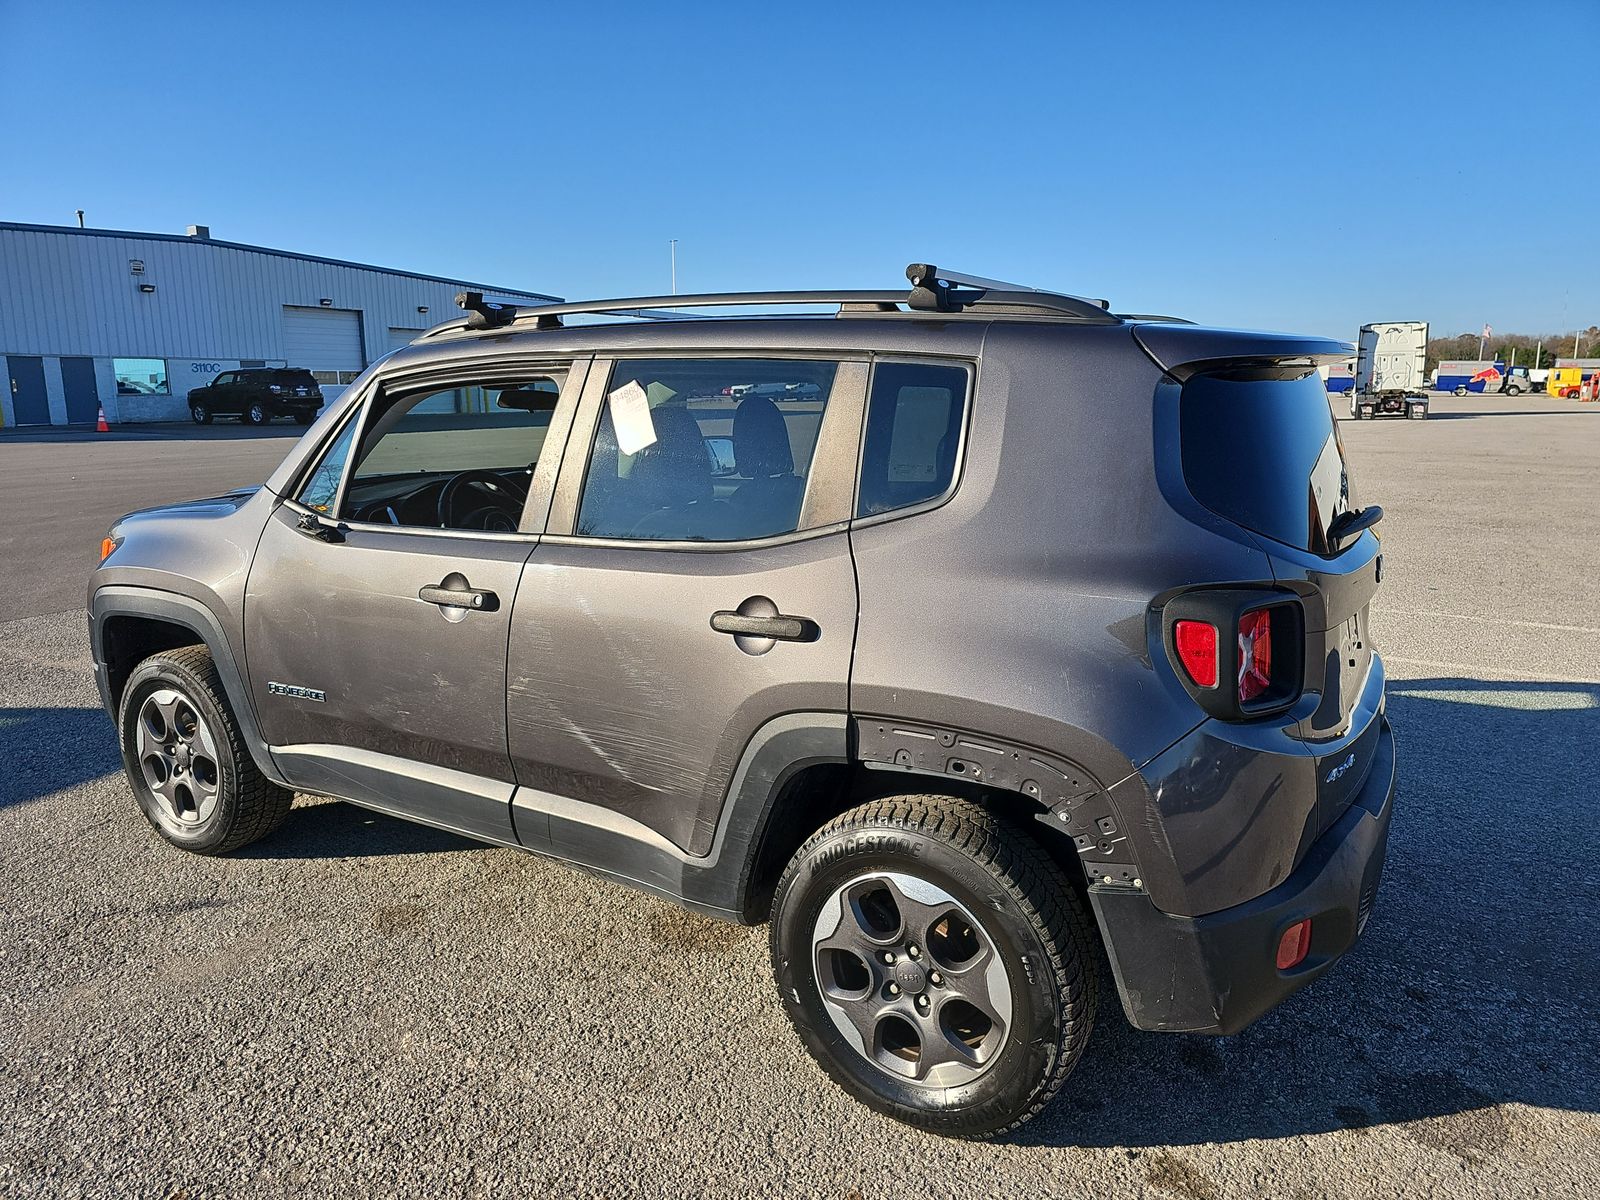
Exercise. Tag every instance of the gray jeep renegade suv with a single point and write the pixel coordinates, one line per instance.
(980, 639)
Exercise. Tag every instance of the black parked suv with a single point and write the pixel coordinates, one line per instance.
(972, 636)
(257, 394)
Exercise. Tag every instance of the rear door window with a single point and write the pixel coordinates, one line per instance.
(704, 450)
(1265, 454)
(915, 417)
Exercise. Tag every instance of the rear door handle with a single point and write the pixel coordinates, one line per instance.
(780, 628)
(459, 597)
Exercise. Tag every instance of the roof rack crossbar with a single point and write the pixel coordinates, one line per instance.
(934, 289)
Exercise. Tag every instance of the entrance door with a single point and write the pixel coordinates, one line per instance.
(379, 603)
(687, 592)
(29, 403)
(83, 396)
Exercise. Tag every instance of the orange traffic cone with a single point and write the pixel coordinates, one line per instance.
(100, 425)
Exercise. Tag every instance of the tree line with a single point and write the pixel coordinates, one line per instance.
(1548, 348)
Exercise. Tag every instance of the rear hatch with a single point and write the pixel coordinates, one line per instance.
(1261, 449)
(299, 384)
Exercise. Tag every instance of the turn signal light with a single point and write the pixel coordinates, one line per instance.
(1197, 651)
(107, 545)
(1294, 945)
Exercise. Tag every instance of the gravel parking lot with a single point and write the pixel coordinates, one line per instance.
(359, 1006)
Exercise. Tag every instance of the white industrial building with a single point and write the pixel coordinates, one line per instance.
(132, 321)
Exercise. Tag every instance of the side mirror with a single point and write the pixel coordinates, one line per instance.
(720, 451)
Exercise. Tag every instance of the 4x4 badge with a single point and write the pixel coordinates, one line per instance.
(1350, 761)
(295, 691)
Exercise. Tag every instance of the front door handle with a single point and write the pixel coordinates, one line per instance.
(778, 627)
(450, 595)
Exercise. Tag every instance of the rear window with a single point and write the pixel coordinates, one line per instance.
(1265, 454)
(294, 378)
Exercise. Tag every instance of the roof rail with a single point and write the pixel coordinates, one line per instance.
(933, 290)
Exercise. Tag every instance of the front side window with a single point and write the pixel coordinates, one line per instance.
(141, 376)
(322, 485)
(704, 450)
(915, 416)
(454, 458)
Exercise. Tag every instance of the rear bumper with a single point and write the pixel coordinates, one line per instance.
(1217, 973)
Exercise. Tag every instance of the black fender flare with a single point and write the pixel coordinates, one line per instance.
(118, 600)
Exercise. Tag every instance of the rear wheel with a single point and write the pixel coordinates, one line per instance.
(186, 760)
(200, 414)
(936, 963)
(1461, 390)
(256, 414)
(304, 416)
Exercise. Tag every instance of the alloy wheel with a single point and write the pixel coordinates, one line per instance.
(178, 757)
(911, 979)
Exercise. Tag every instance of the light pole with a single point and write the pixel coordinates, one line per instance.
(673, 244)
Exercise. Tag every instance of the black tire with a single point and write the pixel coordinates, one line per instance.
(1033, 920)
(304, 416)
(1513, 391)
(200, 414)
(1460, 390)
(247, 805)
(256, 414)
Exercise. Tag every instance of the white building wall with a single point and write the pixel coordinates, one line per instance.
(71, 292)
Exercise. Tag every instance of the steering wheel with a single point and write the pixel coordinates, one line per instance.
(506, 500)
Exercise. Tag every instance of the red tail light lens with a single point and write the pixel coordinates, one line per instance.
(1294, 945)
(1197, 650)
(1255, 654)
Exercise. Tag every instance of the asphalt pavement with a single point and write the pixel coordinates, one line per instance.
(360, 1006)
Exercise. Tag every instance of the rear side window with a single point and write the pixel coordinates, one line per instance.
(1265, 454)
(705, 450)
(915, 416)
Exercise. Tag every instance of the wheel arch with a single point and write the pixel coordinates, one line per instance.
(129, 624)
(776, 801)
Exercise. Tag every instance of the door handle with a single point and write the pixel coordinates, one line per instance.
(459, 597)
(779, 627)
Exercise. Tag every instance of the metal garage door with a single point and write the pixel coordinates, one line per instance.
(323, 339)
(402, 337)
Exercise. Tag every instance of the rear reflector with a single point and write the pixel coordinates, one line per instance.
(1294, 945)
(1255, 654)
(1197, 650)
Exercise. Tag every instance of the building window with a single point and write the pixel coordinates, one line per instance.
(141, 376)
(335, 378)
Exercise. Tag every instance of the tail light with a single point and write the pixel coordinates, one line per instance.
(274, 389)
(1255, 654)
(1197, 651)
(1251, 639)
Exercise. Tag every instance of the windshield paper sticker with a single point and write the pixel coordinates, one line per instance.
(630, 417)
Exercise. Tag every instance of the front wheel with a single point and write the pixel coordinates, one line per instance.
(200, 414)
(256, 414)
(187, 761)
(936, 963)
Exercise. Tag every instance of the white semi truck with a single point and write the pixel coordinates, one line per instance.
(1391, 371)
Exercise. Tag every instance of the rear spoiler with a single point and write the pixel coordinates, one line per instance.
(1183, 351)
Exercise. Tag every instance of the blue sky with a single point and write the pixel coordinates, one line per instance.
(1279, 165)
